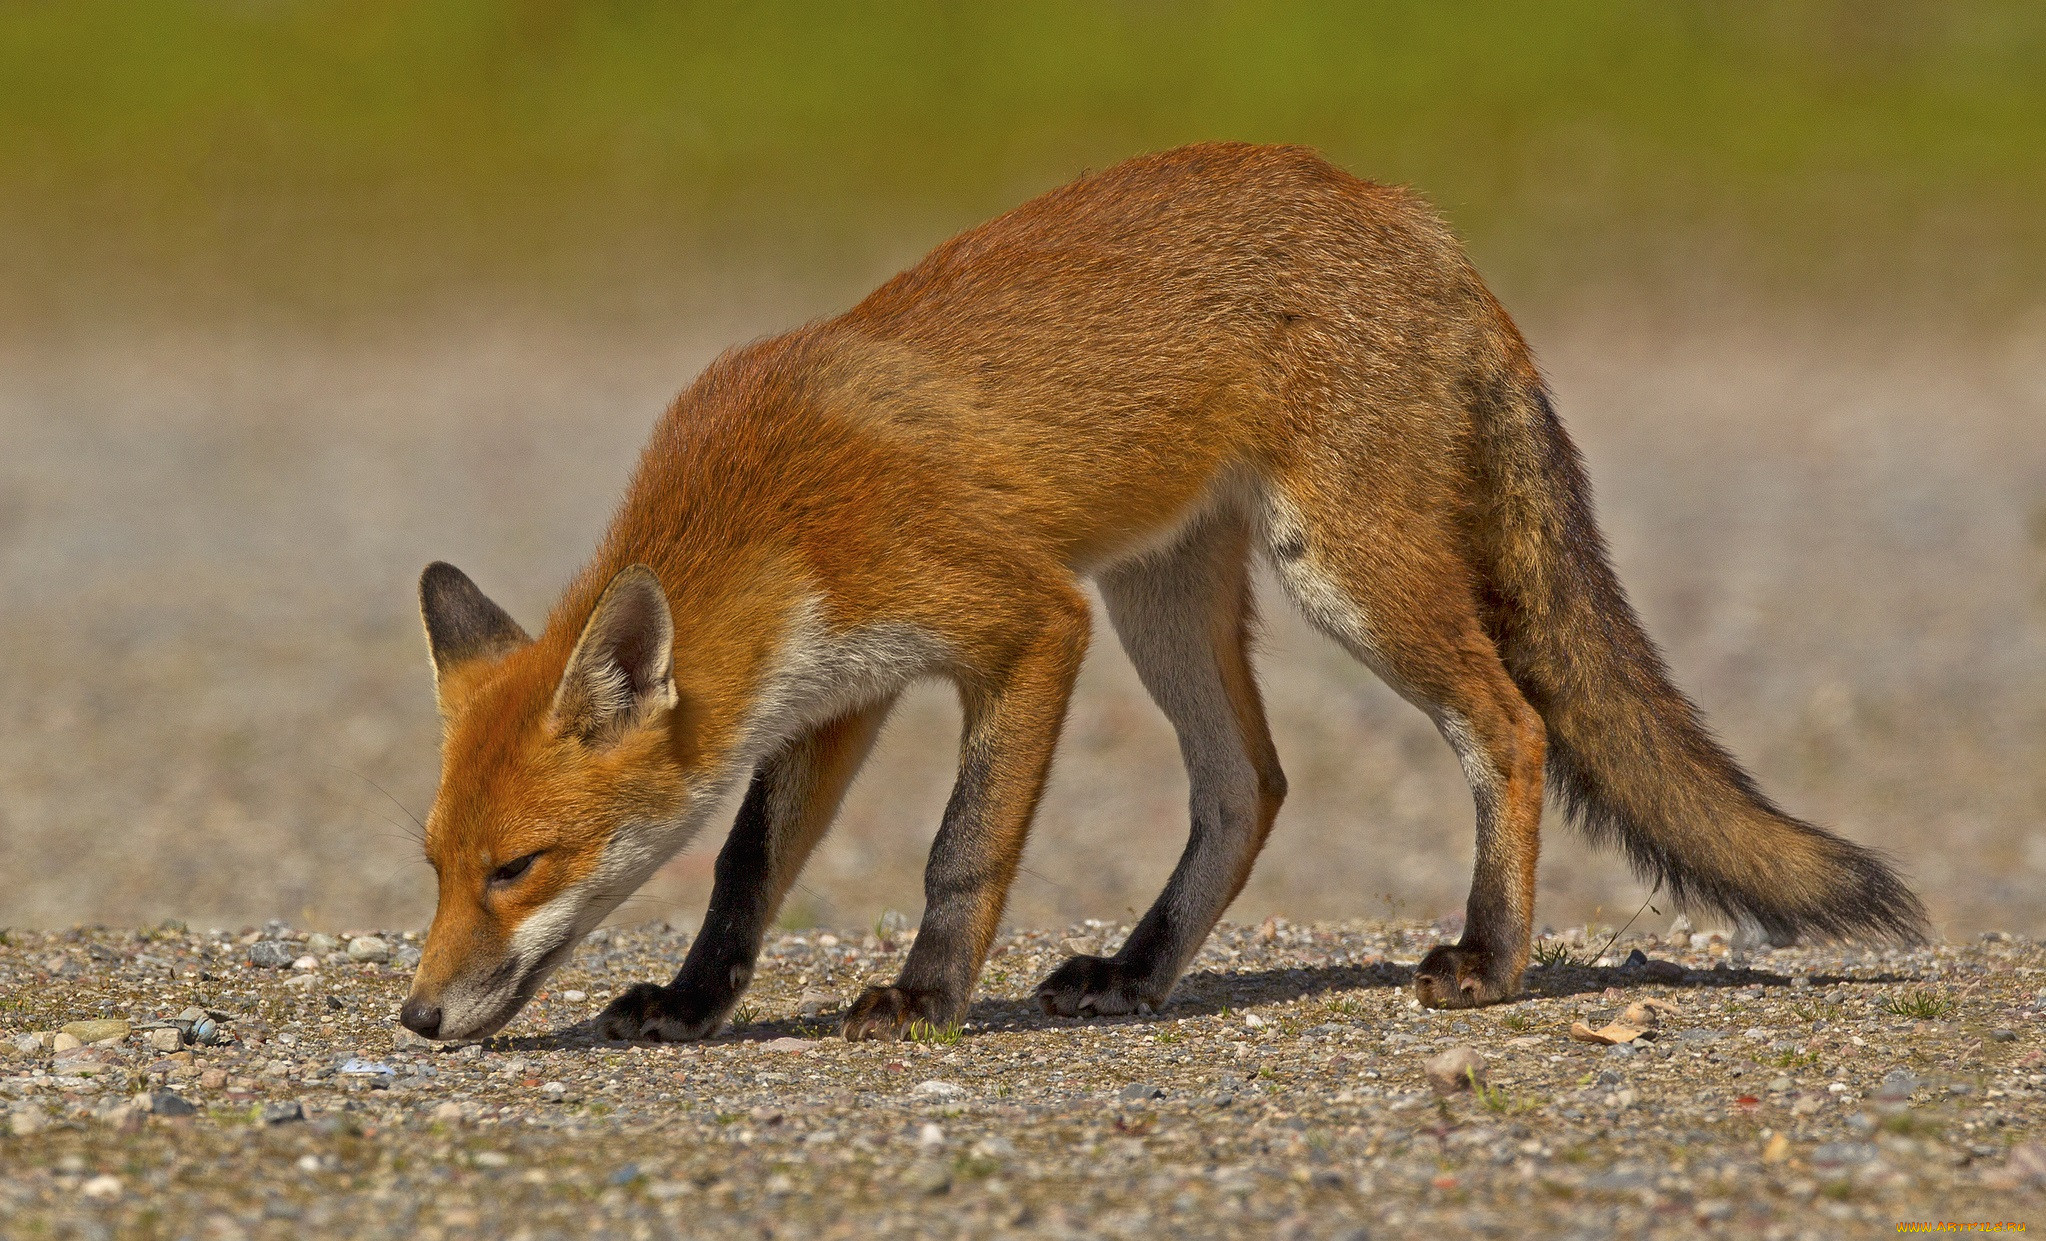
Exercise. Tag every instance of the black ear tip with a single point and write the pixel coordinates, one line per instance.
(440, 577)
(639, 583)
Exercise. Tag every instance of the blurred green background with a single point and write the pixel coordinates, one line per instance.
(358, 156)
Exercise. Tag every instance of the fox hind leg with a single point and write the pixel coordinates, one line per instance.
(1185, 617)
(1408, 610)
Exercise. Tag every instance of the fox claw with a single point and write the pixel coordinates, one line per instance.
(887, 1013)
(1454, 976)
(651, 1013)
(1086, 986)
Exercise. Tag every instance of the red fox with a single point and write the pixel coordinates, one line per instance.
(1147, 378)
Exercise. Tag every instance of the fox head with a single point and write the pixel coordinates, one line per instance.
(560, 790)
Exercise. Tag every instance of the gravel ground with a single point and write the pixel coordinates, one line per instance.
(1785, 1093)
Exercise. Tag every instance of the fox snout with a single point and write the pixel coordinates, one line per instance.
(458, 1007)
(473, 1000)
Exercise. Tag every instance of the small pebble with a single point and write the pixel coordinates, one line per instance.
(930, 1177)
(96, 1031)
(270, 954)
(369, 948)
(127, 1118)
(935, 1089)
(1455, 1069)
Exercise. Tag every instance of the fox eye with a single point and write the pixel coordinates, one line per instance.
(512, 870)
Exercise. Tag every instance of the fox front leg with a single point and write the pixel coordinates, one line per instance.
(787, 810)
(1011, 732)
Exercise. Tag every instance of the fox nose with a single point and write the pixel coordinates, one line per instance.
(421, 1017)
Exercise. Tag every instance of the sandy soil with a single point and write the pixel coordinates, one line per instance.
(211, 672)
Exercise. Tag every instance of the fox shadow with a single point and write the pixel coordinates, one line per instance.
(1211, 992)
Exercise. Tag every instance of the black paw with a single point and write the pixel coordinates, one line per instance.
(1095, 987)
(888, 1013)
(657, 1014)
(1455, 976)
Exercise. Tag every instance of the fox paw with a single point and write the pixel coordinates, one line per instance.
(1092, 987)
(1454, 976)
(888, 1013)
(650, 1013)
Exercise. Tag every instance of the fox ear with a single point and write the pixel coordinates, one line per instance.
(623, 668)
(462, 624)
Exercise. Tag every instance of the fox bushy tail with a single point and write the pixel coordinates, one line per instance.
(1629, 756)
